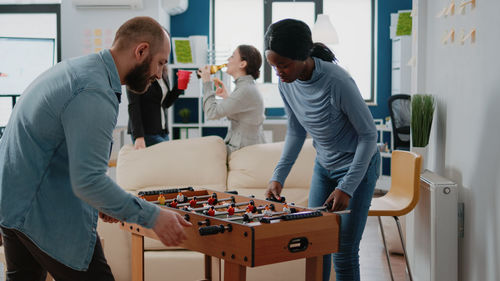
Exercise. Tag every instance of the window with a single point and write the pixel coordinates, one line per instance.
(238, 22)
(354, 22)
(30, 43)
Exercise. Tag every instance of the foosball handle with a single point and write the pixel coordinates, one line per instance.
(214, 229)
(281, 200)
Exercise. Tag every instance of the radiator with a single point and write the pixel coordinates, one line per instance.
(432, 230)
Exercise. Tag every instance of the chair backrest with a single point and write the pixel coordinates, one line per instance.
(405, 179)
(399, 108)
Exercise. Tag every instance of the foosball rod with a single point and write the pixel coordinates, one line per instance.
(325, 209)
(205, 202)
(253, 216)
(165, 191)
(187, 198)
(219, 206)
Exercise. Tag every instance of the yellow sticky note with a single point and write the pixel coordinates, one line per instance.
(97, 50)
(98, 32)
(97, 42)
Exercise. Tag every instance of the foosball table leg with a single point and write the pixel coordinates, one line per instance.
(314, 268)
(208, 267)
(233, 271)
(137, 257)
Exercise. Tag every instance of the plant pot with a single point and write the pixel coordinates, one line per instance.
(422, 151)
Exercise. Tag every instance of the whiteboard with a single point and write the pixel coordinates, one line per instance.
(22, 60)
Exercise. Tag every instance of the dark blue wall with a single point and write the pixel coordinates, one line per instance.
(384, 53)
(195, 21)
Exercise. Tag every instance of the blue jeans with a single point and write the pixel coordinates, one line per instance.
(154, 139)
(323, 183)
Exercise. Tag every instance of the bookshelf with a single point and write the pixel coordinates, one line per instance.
(192, 100)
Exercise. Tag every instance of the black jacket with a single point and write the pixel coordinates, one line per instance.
(144, 109)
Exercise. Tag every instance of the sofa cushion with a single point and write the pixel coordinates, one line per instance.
(252, 167)
(198, 162)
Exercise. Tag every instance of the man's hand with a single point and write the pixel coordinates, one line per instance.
(106, 218)
(338, 199)
(274, 190)
(140, 143)
(220, 88)
(169, 227)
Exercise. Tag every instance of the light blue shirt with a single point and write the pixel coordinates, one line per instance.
(54, 157)
(331, 109)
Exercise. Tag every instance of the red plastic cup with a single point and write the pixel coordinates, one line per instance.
(183, 79)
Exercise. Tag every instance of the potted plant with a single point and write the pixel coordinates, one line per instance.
(185, 113)
(422, 112)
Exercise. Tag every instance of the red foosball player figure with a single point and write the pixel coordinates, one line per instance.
(251, 206)
(211, 211)
(230, 210)
(193, 202)
(173, 204)
(267, 212)
(180, 197)
(286, 209)
(212, 200)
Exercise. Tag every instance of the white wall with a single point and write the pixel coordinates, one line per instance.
(76, 24)
(464, 144)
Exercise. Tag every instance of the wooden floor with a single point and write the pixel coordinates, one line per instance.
(373, 264)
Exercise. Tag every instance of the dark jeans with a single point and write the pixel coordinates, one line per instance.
(26, 262)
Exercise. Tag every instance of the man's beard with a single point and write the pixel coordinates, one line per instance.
(138, 79)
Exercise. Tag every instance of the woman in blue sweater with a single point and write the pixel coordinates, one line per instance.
(322, 100)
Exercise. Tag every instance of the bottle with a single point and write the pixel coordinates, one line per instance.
(214, 68)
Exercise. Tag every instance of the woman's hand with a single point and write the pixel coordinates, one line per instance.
(204, 73)
(274, 190)
(140, 143)
(220, 88)
(338, 200)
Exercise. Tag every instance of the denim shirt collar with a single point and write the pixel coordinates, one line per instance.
(114, 78)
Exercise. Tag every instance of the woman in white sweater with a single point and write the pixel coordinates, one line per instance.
(244, 107)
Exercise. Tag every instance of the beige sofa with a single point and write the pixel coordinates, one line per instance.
(201, 163)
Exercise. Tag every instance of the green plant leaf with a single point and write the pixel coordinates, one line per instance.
(422, 112)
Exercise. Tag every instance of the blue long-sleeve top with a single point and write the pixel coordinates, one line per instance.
(54, 157)
(331, 109)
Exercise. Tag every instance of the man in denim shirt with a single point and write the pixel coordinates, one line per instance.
(54, 156)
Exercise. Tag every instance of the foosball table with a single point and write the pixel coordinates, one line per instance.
(242, 231)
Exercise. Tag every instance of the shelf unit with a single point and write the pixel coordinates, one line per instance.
(195, 126)
(400, 84)
(384, 136)
(401, 55)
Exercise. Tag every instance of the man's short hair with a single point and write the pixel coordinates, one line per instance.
(137, 30)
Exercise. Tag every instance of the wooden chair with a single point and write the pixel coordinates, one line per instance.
(402, 196)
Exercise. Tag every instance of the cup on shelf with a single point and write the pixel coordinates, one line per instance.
(183, 79)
